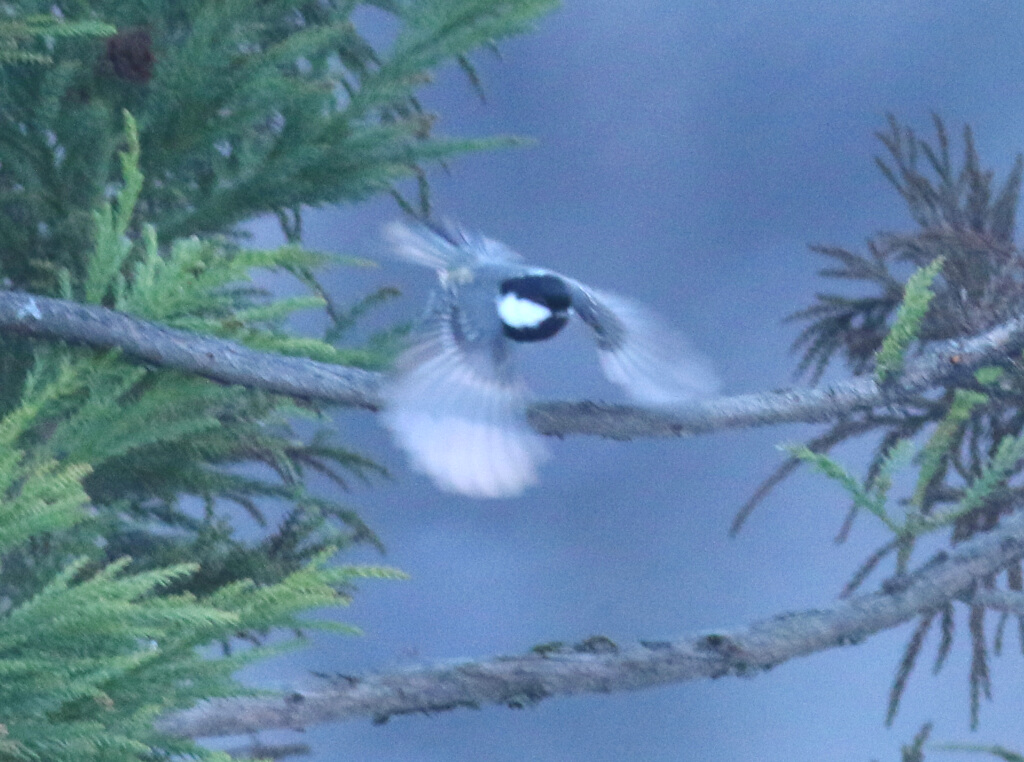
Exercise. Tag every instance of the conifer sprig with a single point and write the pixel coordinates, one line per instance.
(906, 327)
(969, 437)
(30, 39)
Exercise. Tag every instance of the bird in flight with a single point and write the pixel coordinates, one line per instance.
(456, 403)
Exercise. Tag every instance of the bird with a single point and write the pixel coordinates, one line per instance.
(455, 402)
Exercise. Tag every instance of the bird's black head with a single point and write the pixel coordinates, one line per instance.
(533, 307)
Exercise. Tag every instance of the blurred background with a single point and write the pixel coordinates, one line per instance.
(684, 154)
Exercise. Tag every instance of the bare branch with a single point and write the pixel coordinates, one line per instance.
(231, 363)
(216, 359)
(276, 751)
(600, 666)
(1008, 601)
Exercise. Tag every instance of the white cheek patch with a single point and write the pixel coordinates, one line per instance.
(521, 313)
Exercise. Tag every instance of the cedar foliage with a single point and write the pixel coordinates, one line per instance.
(134, 139)
(958, 274)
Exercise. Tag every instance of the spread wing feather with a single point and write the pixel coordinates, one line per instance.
(459, 411)
(445, 247)
(637, 351)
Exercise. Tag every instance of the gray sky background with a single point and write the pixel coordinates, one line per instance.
(685, 155)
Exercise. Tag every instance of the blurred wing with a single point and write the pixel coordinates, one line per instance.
(422, 245)
(458, 410)
(444, 247)
(640, 353)
(487, 249)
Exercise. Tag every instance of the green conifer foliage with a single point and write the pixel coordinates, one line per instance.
(958, 274)
(89, 655)
(135, 137)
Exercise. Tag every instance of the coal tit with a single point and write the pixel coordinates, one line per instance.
(455, 403)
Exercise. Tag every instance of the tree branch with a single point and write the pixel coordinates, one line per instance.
(231, 363)
(1007, 601)
(598, 665)
(217, 359)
